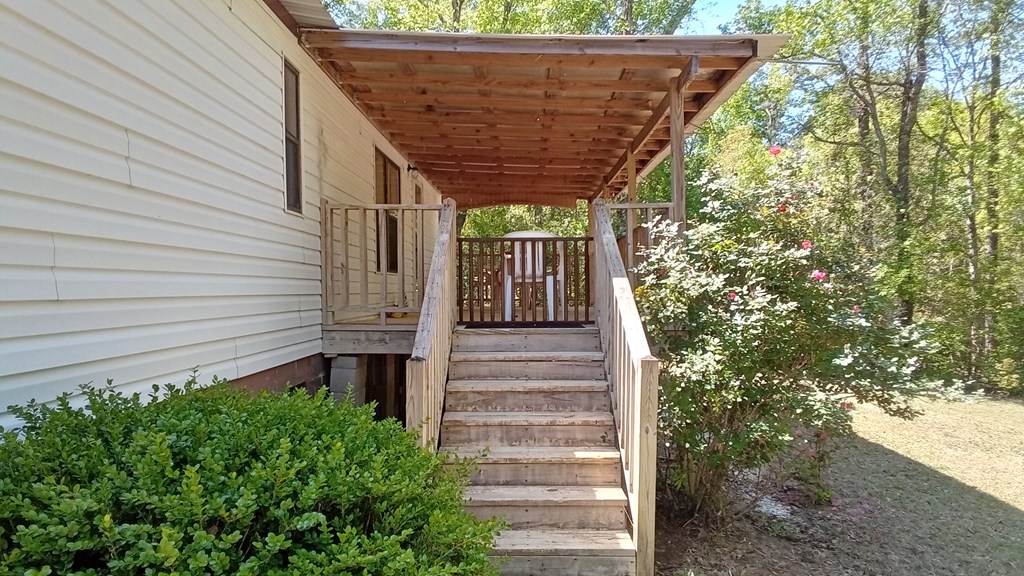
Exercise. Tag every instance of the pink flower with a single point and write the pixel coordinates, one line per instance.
(855, 308)
(818, 275)
(806, 245)
(732, 295)
(782, 208)
(774, 150)
(846, 405)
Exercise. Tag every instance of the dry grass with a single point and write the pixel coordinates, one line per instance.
(939, 495)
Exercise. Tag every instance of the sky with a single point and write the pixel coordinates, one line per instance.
(710, 14)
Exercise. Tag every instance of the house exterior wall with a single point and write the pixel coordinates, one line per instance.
(142, 221)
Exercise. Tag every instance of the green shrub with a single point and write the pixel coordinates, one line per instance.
(218, 481)
(765, 342)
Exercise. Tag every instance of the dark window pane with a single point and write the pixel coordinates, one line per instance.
(294, 183)
(291, 101)
(292, 149)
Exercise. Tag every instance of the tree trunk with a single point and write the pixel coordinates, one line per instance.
(866, 167)
(914, 80)
(1000, 10)
(628, 25)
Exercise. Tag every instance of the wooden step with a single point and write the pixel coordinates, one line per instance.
(535, 356)
(527, 365)
(505, 395)
(526, 339)
(575, 552)
(531, 465)
(594, 507)
(527, 429)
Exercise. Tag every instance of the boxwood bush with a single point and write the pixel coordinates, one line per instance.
(220, 481)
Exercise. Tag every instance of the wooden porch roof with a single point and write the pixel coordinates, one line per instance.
(502, 119)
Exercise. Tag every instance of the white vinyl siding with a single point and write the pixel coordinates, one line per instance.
(143, 228)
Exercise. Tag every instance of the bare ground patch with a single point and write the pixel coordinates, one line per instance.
(942, 495)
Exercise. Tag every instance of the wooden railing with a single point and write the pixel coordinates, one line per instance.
(524, 279)
(374, 260)
(633, 377)
(426, 370)
(636, 217)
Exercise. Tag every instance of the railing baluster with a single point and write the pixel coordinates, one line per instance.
(364, 297)
(400, 301)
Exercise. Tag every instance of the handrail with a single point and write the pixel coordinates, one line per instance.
(637, 232)
(633, 377)
(375, 260)
(427, 369)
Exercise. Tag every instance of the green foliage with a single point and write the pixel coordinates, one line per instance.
(218, 481)
(515, 16)
(500, 220)
(761, 335)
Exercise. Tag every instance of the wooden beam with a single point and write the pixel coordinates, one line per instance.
(462, 45)
(284, 16)
(513, 102)
(580, 133)
(556, 84)
(524, 158)
(524, 180)
(529, 60)
(560, 201)
(678, 169)
(476, 169)
(411, 144)
(655, 121)
(476, 118)
(631, 176)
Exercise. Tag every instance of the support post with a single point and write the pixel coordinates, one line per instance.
(677, 121)
(630, 215)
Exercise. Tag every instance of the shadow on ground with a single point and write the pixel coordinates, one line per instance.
(891, 516)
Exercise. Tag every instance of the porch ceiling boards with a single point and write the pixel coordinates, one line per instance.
(532, 119)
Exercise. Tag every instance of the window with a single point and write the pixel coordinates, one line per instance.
(389, 185)
(292, 151)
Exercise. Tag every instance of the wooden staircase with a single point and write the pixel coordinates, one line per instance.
(537, 400)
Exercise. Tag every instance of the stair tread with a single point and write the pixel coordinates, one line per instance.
(513, 385)
(536, 454)
(564, 542)
(463, 330)
(527, 418)
(581, 356)
(558, 495)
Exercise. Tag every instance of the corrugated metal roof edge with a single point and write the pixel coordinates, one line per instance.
(309, 13)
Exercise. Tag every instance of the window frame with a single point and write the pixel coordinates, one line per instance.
(292, 141)
(383, 170)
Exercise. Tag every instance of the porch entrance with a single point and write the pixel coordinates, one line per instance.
(524, 278)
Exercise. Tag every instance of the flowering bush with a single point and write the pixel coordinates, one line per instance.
(765, 341)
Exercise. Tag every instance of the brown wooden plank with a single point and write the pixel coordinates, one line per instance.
(528, 60)
(472, 200)
(479, 118)
(518, 82)
(608, 133)
(512, 102)
(550, 51)
(524, 158)
(468, 144)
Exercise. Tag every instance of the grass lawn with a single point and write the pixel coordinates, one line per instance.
(942, 494)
